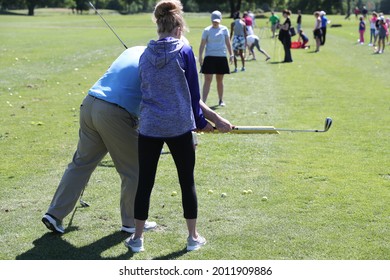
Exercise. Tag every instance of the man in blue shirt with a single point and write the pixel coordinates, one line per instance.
(109, 124)
(324, 23)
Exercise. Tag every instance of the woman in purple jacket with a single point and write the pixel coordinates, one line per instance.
(169, 113)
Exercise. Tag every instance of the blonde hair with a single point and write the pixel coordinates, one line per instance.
(168, 15)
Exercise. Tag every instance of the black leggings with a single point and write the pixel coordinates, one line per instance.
(287, 49)
(183, 153)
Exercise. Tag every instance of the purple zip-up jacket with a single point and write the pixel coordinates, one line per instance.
(170, 90)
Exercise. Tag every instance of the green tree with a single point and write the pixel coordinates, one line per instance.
(385, 6)
(12, 4)
(309, 6)
(31, 4)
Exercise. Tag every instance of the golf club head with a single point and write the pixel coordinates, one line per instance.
(83, 203)
(328, 124)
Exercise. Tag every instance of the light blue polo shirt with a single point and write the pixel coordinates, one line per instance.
(121, 84)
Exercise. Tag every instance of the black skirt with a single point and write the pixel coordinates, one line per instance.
(215, 65)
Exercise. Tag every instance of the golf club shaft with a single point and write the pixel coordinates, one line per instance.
(265, 130)
(299, 130)
(273, 130)
(109, 26)
(82, 202)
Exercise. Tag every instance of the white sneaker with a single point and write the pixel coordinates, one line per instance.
(136, 245)
(195, 244)
(147, 226)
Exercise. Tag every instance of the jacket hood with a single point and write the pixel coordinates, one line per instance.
(161, 52)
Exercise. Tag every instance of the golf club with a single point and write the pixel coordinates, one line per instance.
(82, 202)
(109, 26)
(273, 130)
(328, 124)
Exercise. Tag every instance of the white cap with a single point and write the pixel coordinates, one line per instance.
(322, 13)
(216, 16)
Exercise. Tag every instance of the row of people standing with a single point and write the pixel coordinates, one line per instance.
(379, 31)
(319, 31)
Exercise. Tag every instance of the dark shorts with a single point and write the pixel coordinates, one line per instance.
(215, 65)
(317, 33)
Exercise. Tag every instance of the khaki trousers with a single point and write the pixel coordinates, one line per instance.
(104, 127)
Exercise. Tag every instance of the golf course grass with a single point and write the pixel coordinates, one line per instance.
(327, 193)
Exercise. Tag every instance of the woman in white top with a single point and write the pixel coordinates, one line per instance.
(317, 30)
(215, 39)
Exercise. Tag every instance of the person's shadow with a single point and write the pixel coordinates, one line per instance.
(51, 246)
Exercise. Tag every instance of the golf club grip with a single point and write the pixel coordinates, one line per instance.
(252, 130)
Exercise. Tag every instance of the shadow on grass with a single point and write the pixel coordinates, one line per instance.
(276, 62)
(173, 255)
(52, 246)
(214, 107)
(8, 13)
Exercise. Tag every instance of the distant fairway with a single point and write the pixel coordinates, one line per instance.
(328, 193)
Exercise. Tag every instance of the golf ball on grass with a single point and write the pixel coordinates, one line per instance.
(174, 193)
(244, 192)
(210, 191)
(264, 198)
(223, 195)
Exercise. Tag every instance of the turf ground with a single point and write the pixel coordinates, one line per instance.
(328, 194)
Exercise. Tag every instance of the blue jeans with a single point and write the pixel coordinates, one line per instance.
(372, 35)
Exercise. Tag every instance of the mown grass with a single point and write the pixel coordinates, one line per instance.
(327, 193)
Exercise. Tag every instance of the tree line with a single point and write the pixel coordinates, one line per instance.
(228, 6)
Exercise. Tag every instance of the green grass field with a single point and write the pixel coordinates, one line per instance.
(328, 193)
